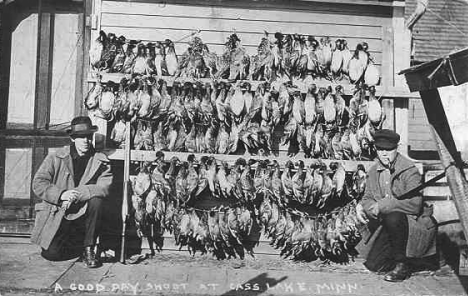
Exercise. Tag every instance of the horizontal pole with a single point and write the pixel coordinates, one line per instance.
(348, 89)
(142, 155)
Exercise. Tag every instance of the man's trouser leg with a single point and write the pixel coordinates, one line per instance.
(396, 225)
(92, 221)
(66, 243)
(73, 235)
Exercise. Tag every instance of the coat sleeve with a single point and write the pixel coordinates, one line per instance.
(42, 184)
(101, 187)
(412, 206)
(369, 194)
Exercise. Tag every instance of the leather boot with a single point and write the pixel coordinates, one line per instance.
(399, 274)
(89, 257)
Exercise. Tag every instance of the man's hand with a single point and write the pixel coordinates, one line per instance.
(70, 195)
(374, 210)
(361, 215)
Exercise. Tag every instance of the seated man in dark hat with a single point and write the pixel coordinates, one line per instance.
(72, 183)
(398, 228)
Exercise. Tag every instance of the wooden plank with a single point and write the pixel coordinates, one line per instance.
(395, 93)
(215, 36)
(2, 170)
(402, 44)
(87, 35)
(126, 183)
(423, 145)
(5, 58)
(421, 135)
(44, 69)
(240, 13)
(356, 8)
(22, 141)
(142, 21)
(387, 56)
(140, 155)
(81, 65)
(389, 110)
(39, 152)
(401, 123)
(437, 191)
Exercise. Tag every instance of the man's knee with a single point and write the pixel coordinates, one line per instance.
(56, 255)
(51, 255)
(394, 218)
(94, 204)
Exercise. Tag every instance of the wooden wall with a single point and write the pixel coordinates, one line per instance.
(378, 24)
(152, 22)
(420, 137)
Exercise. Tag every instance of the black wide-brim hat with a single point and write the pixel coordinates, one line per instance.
(80, 126)
(386, 139)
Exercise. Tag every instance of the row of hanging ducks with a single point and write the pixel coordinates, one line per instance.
(227, 118)
(283, 56)
(231, 232)
(161, 199)
(312, 185)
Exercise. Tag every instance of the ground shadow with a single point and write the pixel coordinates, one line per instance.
(255, 286)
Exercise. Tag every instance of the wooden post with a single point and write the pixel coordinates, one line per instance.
(126, 179)
(39, 152)
(5, 59)
(80, 65)
(44, 68)
(2, 168)
(401, 123)
(448, 153)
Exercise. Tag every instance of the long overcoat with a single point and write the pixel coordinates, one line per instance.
(422, 227)
(54, 176)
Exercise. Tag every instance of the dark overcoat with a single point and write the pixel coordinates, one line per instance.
(54, 176)
(422, 227)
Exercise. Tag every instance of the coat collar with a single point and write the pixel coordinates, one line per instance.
(94, 163)
(399, 165)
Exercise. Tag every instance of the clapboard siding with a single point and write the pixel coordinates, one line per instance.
(153, 22)
(261, 14)
(422, 145)
(203, 23)
(419, 133)
(219, 37)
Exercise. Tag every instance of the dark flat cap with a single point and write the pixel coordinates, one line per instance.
(386, 139)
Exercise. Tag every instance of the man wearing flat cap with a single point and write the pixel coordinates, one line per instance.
(399, 232)
(72, 183)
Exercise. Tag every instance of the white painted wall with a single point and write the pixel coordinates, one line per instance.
(17, 173)
(64, 68)
(455, 101)
(23, 71)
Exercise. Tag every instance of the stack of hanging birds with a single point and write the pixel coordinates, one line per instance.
(278, 58)
(331, 236)
(222, 231)
(164, 194)
(225, 118)
(110, 54)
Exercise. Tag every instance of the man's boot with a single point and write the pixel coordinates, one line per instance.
(399, 274)
(89, 257)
